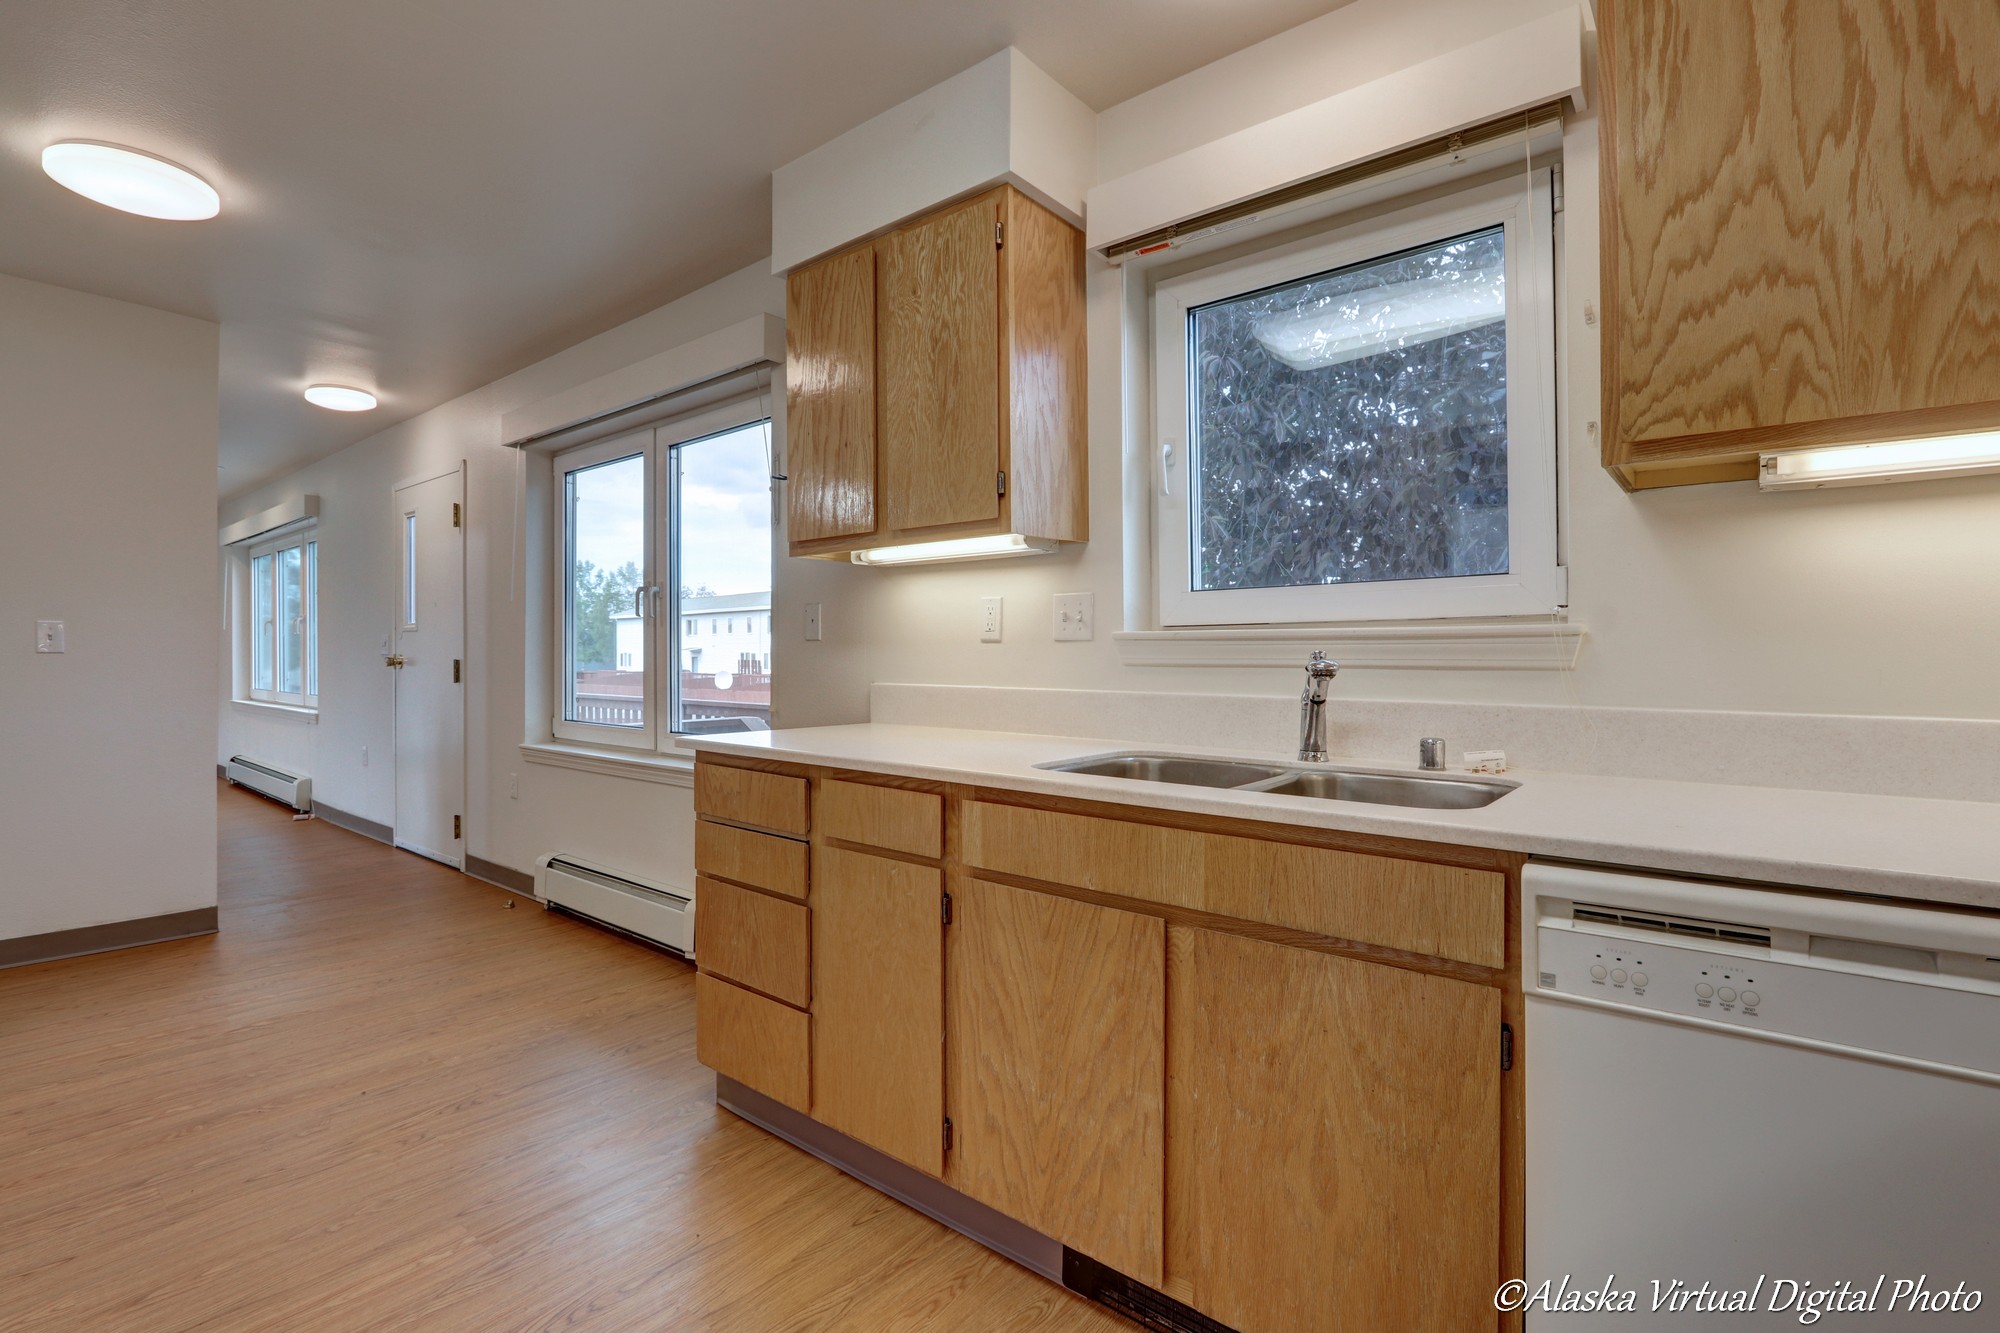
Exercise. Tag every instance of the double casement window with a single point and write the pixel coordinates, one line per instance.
(281, 620)
(663, 580)
(1361, 425)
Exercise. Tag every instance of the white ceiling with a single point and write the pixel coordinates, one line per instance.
(421, 197)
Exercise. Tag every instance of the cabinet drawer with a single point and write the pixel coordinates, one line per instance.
(1417, 906)
(777, 864)
(754, 939)
(774, 801)
(754, 1040)
(902, 821)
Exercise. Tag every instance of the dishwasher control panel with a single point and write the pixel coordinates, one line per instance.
(1799, 1000)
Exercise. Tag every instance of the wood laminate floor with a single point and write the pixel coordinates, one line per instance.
(381, 1099)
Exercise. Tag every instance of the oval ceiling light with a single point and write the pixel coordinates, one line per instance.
(339, 397)
(135, 182)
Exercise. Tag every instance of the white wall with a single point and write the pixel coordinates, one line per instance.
(641, 826)
(108, 448)
(1869, 601)
(1880, 600)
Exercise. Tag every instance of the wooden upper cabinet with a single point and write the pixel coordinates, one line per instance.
(830, 388)
(1800, 231)
(936, 382)
(940, 327)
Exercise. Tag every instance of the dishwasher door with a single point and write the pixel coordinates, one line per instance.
(1748, 1107)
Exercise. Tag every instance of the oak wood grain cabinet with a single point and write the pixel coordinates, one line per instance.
(1055, 1047)
(878, 1003)
(1333, 1152)
(935, 382)
(1800, 243)
(1258, 1068)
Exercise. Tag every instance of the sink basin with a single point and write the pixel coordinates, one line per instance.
(1391, 789)
(1167, 768)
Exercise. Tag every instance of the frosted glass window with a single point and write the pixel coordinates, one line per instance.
(1359, 425)
(1353, 426)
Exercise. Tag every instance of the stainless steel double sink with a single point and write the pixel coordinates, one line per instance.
(1325, 784)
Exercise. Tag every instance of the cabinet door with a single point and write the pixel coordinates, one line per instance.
(940, 369)
(1055, 1051)
(1333, 1158)
(878, 1003)
(830, 397)
(1798, 227)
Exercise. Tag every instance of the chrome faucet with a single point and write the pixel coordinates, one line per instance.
(1312, 707)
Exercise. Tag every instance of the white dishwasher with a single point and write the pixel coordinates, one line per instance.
(1755, 1108)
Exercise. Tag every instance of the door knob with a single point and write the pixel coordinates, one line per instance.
(395, 660)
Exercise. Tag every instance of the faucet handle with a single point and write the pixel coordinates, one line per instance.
(1319, 668)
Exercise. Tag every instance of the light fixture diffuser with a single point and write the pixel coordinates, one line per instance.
(1871, 464)
(957, 548)
(340, 398)
(131, 181)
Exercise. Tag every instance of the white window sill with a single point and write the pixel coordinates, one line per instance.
(1526, 645)
(672, 770)
(295, 710)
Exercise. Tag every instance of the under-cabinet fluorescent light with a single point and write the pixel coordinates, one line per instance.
(958, 548)
(1868, 464)
(339, 397)
(131, 181)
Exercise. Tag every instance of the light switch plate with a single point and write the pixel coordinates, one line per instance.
(989, 619)
(49, 636)
(812, 622)
(1075, 615)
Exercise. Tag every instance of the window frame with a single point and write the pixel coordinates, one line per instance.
(305, 538)
(1533, 584)
(658, 444)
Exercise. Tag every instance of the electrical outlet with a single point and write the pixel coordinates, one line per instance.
(1076, 615)
(989, 619)
(48, 636)
(812, 622)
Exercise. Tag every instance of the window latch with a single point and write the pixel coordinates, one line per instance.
(1166, 467)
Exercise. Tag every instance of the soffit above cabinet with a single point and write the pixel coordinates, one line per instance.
(1002, 121)
(1523, 69)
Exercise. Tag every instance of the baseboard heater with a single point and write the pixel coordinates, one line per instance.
(656, 913)
(293, 789)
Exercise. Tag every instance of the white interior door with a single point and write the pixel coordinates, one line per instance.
(428, 651)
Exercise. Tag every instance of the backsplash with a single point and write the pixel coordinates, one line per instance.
(1942, 758)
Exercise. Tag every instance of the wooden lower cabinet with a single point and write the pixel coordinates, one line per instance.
(878, 1003)
(1333, 1149)
(1055, 1017)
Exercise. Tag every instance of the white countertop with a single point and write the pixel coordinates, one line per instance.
(1893, 846)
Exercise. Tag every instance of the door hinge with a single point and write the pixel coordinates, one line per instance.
(1000, 482)
(947, 1133)
(457, 827)
(999, 235)
(945, 909)
(456, 517)
(457, 675)
(1506, 1048)
(1556, 190)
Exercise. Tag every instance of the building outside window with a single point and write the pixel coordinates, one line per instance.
(1361, 425)
(661, 528)
(281, 618)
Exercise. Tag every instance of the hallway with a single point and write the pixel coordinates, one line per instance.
(382, 1098)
